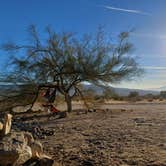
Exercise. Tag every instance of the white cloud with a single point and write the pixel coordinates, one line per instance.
(154, 67)
(146, 35)
(127, 10)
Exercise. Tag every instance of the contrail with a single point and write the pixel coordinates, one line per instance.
(127, 10)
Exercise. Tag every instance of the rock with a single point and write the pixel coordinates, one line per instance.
(6, 127)
(21, 108)
(1, 126)
(139, 120)
(39, 162)
(7, 124)
(123, 110)
(24, 156)
(87, 163)
(91, 110)
(17, 148)
(38, 131)
(37, 149)
(28, 137)
(62, 114)
(14, 149)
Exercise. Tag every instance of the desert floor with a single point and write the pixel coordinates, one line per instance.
(116, 134)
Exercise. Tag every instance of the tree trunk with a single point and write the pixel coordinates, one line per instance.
(68, 102)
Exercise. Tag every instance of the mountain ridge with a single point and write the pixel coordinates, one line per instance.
(121, 91)
(98, 90)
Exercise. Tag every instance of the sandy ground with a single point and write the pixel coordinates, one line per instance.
(116, 134)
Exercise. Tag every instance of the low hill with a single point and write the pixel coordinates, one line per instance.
(7, 89)
(120, 91)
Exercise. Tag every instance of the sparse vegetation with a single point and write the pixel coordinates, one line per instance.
(133, 94)
(163, 94)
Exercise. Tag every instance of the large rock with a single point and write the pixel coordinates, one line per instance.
(7, 124)
(14, 149)
(19, 109)
(20, 148)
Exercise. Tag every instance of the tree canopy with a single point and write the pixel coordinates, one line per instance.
(65, 60)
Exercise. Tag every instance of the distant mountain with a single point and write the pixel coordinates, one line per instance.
(121, 91)
(126, 91)
(5, 89)
(163, 88)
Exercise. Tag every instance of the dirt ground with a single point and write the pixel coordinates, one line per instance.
(113, 135)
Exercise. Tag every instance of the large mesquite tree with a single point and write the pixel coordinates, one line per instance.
(64, 61)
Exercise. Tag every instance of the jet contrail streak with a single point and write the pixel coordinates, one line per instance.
(127, 10)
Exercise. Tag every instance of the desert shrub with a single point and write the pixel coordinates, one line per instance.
(121, 98)
(134, 99)
(98, 97)
(161, 99)
(109, 93)
(155, 97)
(150, 100)
(115, 97)
(133, 94)
(139, 98)
(163, 94)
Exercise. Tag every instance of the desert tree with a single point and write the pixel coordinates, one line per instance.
(66, 60)
(109, 93)
(163, 94)
(133, 94)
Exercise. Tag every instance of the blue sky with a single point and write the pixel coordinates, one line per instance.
(147, 17)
